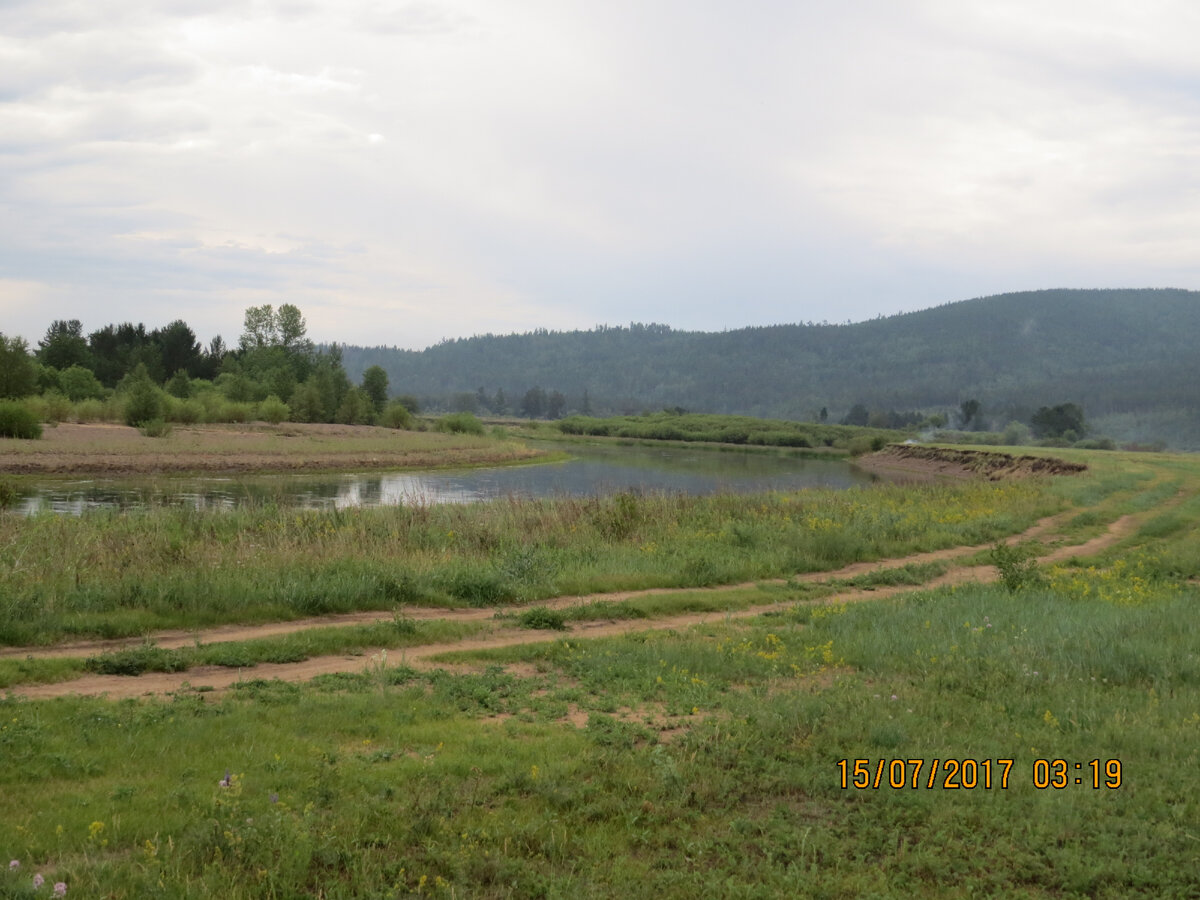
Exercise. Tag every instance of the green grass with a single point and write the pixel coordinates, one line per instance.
(725, 429)
(699, 761)
(706, 761)
(108, 574)
(398, 634)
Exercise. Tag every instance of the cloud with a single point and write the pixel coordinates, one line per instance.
(422, 170)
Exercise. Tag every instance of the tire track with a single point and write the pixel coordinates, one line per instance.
(218, 678)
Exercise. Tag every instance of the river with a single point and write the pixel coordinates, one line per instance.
(591, 470)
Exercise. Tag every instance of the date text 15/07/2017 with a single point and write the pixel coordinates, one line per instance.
(969, 774)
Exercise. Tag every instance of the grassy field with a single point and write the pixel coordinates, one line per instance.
(112, 574)
(726, 429)
(715, 760)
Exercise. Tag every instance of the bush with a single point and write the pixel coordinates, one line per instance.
(1016, 433)
(273, 410)
(143, 400)
(51, 407)
(356, 408)
(480, 587)
(17, 421)
(543, 618)
(89, 411)
(1017, 566)
(79, 383)
(235, 412)
(136, 660)
(179, 385)
(396, 416)
(188, 412)
(860, 446)
(460, 423)
(155, 428)
(1095, 444)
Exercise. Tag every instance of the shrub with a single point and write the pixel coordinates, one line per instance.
(1095, 444)
(543, 618)
(50, 407)
(89, 411)
(1017, 566)
(356, 408)
(143, 400)
(136, 660)
(480, 587)
(79, 383)
(460, 423)
(273, 410)
(155, 428)
(396, 416)
(17, 421)
(235, 412)
(179, 385)
(189, 412)
(1016, 433)
(859, 446)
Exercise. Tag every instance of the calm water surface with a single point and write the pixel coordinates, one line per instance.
(593, 470)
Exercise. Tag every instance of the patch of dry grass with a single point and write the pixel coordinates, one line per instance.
(120, 450)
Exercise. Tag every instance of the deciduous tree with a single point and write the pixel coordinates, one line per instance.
(18, 373)
(375, 383)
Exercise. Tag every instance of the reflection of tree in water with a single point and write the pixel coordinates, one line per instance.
(371, 491)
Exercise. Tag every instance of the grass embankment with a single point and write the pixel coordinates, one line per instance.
(107, 574)
(724, 429)
(120, 450)
(697, 762)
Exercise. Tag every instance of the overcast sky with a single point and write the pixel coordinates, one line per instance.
(407, 172)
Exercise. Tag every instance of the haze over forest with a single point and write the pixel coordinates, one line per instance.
(1126, 356)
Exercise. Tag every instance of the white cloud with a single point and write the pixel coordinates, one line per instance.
(440, 168)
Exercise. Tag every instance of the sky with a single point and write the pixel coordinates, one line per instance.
(407, 172)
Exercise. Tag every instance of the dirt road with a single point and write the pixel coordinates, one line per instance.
(216, 678)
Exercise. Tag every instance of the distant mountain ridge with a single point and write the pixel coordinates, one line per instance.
(1127, 356)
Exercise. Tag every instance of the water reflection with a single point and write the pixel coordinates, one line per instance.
(593, 471)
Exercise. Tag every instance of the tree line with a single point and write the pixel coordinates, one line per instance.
(128, 371)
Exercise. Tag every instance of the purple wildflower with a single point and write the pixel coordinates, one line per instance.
(274, 798)
(14, 865)
(60, 889)
(227, 780)
(38, 881)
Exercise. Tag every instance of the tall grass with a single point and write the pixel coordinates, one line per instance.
(670, 426)
(113, 574)
(683, 763)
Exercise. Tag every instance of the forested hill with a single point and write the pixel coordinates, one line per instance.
(1111, 351)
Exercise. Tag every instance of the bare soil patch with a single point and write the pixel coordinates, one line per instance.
(915, 462)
